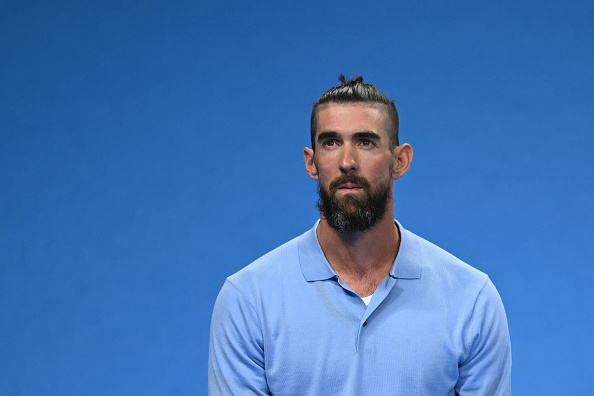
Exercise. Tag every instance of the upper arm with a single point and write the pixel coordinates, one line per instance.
(487, 369)
(236, 350)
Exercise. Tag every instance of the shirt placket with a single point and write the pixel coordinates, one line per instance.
(362, 316)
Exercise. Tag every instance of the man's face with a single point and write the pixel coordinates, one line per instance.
(353, 164)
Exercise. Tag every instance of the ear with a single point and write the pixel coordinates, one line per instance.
(403, 156)
(310, 166)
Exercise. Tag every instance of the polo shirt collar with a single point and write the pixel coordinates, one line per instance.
(312, 259)
(408, 263)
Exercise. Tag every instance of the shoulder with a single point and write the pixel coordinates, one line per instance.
(440, 261)
(245, 293)
(464, 294)
(272, 264)
(276, 269)
(440, 271)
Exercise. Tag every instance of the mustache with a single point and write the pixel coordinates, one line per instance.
(349, 179)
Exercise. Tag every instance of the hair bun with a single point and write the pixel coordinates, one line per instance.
(351, 81)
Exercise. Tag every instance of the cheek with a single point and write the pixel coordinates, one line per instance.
(384, 171)
(324, 181)
(324, 172)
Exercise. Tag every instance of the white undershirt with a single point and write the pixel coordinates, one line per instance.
(367, 299)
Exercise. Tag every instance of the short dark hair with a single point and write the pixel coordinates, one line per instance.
(355, 91)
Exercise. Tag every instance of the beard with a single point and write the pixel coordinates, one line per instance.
(352, 213)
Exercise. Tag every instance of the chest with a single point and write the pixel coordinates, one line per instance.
(345, 346)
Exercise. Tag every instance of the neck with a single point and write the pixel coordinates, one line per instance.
(361, 255)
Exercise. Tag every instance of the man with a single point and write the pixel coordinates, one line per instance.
(358, 305)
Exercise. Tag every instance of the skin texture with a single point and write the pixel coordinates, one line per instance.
(353, 139)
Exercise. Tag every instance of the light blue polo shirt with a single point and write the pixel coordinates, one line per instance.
(285, 325)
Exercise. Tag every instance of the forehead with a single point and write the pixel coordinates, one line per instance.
(351, 118)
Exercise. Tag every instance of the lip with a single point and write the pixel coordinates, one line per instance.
(349, 187)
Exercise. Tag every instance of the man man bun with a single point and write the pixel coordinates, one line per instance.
(353, 91)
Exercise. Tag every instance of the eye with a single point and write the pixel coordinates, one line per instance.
(366, 143)
(330, 143)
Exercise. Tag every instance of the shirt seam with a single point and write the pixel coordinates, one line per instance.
(246, 300)
(257, 316)
(474, 333)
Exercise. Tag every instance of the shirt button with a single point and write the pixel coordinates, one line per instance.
(365, 323)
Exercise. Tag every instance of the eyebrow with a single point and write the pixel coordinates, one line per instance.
(327, 135)
(358, 135)
(367, 135)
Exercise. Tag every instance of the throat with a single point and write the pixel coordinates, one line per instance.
(363, 286)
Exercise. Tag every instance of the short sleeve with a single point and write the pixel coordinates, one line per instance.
(487, 369)
(236, 350)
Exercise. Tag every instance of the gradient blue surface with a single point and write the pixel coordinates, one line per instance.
(150, 149)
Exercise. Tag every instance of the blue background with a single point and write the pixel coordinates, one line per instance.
(150, 149)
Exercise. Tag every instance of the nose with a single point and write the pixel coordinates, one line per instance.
(348, 160)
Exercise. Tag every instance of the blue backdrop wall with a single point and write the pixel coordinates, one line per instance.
(150, 149)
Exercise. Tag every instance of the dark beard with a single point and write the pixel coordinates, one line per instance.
(349, 213)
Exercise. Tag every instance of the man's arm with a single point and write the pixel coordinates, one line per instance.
(487, 370)
(236, 350)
